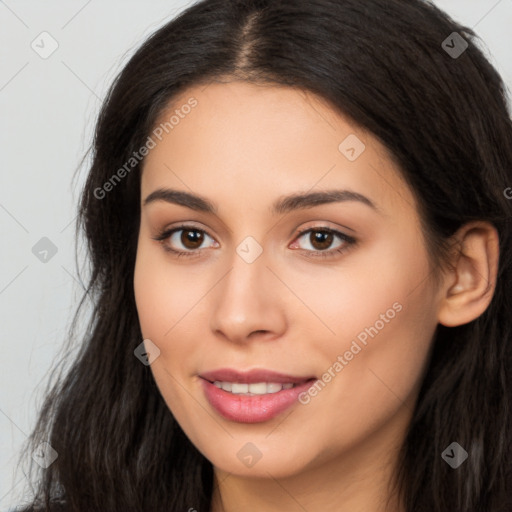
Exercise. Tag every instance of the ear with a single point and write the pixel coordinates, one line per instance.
(469, 286)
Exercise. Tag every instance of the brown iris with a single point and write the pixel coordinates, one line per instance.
(193, 237)
(322, 238)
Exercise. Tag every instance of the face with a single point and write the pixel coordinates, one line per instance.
(330, 292)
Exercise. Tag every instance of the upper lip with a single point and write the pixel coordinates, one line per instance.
(252, 376)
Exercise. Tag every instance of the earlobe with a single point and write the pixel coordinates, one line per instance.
(469, 287)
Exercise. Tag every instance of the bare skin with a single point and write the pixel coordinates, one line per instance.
(243, 147)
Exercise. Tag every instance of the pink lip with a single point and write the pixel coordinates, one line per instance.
(256, 408)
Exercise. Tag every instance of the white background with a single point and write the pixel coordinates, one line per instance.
(48, 109)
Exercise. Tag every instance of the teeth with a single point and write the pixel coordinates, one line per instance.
(258, 388)
(274, 388)
(239, 388)
(226, 386)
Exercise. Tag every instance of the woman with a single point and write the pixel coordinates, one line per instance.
(299, 229)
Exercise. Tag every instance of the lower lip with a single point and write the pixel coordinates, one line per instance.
(252, 409)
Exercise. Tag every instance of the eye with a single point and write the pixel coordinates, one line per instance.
(321, 238)
(189, 237)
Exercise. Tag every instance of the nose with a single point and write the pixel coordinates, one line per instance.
(248, 302)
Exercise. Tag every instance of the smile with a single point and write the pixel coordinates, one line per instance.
(258, 388)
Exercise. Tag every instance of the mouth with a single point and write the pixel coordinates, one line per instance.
(254, 396)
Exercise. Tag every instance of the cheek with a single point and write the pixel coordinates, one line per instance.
(383, 356)
(164, 293)
(383, 315)
(384, 375)
(366, 291)
(171, 305)
(160, 306)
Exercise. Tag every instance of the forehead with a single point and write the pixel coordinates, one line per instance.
(233, 139)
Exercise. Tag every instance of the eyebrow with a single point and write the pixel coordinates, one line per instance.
(283, 205)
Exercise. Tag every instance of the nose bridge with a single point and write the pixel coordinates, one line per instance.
(246, 299)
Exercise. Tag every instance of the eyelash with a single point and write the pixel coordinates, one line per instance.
(348, 241)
